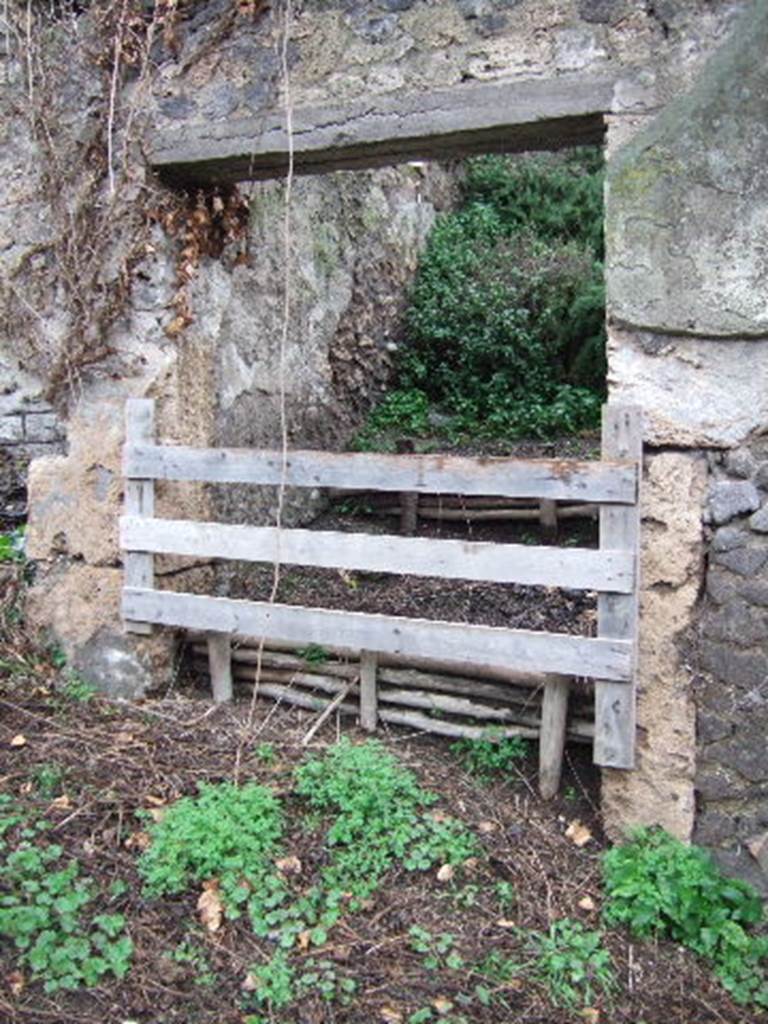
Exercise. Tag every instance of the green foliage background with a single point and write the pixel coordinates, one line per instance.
(505, 326)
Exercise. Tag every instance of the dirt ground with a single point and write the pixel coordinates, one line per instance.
(113, 760)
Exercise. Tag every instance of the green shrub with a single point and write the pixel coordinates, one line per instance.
(490, 756)
(657, 886)
(225, 832)
(505, 324)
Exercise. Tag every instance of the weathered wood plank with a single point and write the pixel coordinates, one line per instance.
(368, 691)
(558, 479)
(139, 567)
(505, 116)
(554, 714)
(220, 666)
(622, 438)
(575, 568)
(516, 649)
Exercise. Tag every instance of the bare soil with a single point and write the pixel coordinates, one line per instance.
(118, 759)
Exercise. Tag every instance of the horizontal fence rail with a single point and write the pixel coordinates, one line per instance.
(556, 479)
(612, 485)
(574, 568)
(521, 650)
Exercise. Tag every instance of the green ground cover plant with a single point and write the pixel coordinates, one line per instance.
(375, 816)
(571, 962)
(657, 886)
(47, 909)
(505, 331)
(492, 756)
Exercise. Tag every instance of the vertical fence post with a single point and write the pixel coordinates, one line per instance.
(220, 666)
(368, 697)
(554, 714)
(548, 520)
(618, 614)
(138, 566)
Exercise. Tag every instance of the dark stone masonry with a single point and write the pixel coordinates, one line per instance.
(732, 699)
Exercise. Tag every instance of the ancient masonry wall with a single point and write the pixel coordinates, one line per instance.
(688, 337)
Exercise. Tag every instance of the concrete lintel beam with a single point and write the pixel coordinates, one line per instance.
(504, 116)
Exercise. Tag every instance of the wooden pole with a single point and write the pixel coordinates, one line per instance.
(368, 696)
(554, 715)
(548, 520)
(617, 614)
(138, 567)
(220, 662)
(409, 500)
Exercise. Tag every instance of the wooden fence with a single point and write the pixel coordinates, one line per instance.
(612, 570)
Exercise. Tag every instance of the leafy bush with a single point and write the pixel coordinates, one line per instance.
(46, 910)
(657, 886)
(379, 817)
(226, 832)
(505, 328)
(488, 757)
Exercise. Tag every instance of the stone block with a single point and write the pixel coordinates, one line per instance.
(754, 591)
(713, 828)
(686, 209)
(713, 784)
(738, 862)
(687, 387)
(761, 476)
(474, 8)
(11, 430)
(743, 561)
(711, 727)
(731, 498)
(743, 669)
(721, 586)
(737, 623)
(759, 521)
(42, 427)
(727, 538)
(741, 463)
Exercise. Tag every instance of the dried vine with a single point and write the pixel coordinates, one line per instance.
(62, 299)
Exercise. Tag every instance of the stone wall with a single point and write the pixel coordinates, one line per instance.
(732, 687)
(29, 428)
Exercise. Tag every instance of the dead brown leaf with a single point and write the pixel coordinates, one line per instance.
(578, 833)
(62, 803)
(445, 873)
(138, 841)
(288, 865)
(587, 903)
(303, 939)
(487, 826)
(250, 983)
(16, 982)
(442, 1004)
(505, 922)
(390, 1015)
(209, 906)
(19, 740)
